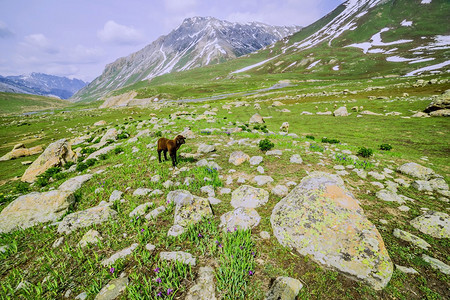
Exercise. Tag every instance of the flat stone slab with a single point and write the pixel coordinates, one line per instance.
(436, 224)
(85, 218)
(285, 288)
(321, 219)
(90, 237)
(415, 170)
(240, 218)
(140, 210)
(204, 288)
(262, 180)
(409, 237)
(437, 264)
(118, 255)
(256, 160)
(248, 196)
(238, 157)
(113, 289)
(155, 213)
(180, 256)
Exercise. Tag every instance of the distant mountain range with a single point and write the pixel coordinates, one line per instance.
(197, 42)
(41, 84)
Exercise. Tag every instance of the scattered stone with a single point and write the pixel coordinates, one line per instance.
(214, 201)
(85, 218)
(238, 157)
(280, 190)
(409, 237)
(264, 235)
(256, 160)
(167, 184)
(437, 264)
(180, 197)
(315, 219)
(118, 255)
(207, 163)
(240, 218)
(180, 256)
(81, 296)
(256, 119)
(262, 179)
(56, 154)
(377, 184)
(402, 182)
(155, 213)
(241, 180)
(296, 159)
(285, 288)
(438, 184)
(90, 237)
(155, 178)
(192, 212)
(19, 150)
(113, 289)
(422, 185)
(436, 224)
(208, 189)
(260, 170)
(406, 270)
(141, 209)
(115, 196)
(415, 170)
(58, 242)
(150, 247)
(249, 197)
(341, 112)
(224, 191)
(142, 192)
(377, 175)
(204, 148)
(389, 196)
(100, 123)
(274, 152)
(175, 230)
(404, 208)
(204, 288)
(35, 208)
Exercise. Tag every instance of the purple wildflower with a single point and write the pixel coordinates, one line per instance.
(159, 294)
(200, 235)
(169, 291)
(158, 280)
(251, 273)
(112, 270)
(142, 230)
(156, 270)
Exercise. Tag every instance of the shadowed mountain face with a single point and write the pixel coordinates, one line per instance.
(195, 43)
(41, 84)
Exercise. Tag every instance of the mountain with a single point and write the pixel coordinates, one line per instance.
(41, 84)
(197, 42)
(367, 38)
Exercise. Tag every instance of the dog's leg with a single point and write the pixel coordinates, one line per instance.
(159, 155)
(174, 159)
(165, 154)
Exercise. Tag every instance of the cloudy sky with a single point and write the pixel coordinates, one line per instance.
(77, 38)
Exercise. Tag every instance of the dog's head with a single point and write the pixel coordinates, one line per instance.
(180, 140)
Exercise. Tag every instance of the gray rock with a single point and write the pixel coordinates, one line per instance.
(180, 256)
(142, 192)
(210, 164)
(175, 230)
(214, 201)
(141, 209)
(376, 175)
(256, 160)
(102, 151)
(262, 179)
(256, 119)
(274, 153)
(204, 148)
(437, 264)
(436, 224)
(119, 255)
(280, 190)
(417, 171)
(115, 196)
(90, 237)
(85, 218)
(36, 208)
(406, 270)
(438, 184)
(224, 191)
(238, 157)
(58, 242)
(260, 170)
(204, 288)
(408, 237)
(422, 185)
(249, 197)
(155, 178)
(150, 247)
(389, 196)
(322, 220)
(208, 189)
(187, 213)
(284, 288)
(404, 208)
(264, 235)
(113, 289)
(155, 213)
(296, 159)
(341, 112)
(168, 183)
(81, 296)
(240, 218)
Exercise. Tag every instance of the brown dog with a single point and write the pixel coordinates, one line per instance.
(170, 145)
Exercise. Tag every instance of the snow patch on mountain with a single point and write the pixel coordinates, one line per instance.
(376, 40)
(254, 65)
(405, 23)
(428, 68)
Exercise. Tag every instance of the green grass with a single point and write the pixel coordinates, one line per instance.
(21, 103)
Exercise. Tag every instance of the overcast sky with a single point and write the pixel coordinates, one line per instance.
(77, 38)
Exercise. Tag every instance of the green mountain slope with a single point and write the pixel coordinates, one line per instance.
(20, 103)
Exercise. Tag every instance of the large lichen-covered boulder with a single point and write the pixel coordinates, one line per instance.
(248, 196)
(20, 150)
(85, 218)
(436, 224)
(322, 220)
(56, 154)
(34, 208)
(417, 171)
(192, 212)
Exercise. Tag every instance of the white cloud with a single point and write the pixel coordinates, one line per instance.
(5, 32)
(177, 5)
(115, 33)
(40, 42)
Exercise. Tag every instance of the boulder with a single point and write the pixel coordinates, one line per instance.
(119, 255)
(240, 218)
(100, 123)
(437, 264)
(113, 289)
(256, 119)
(56, 154)
(284, 288)
(415, 170)
(262, 179)
(141, 209)
(155, 213)
(440, 103)
(280, 190)
(440, 113)
(204, 148)
(85, 218)
(90, 237)
(322, 220)
(192, 212)
(204, 288)
(111, 134)
(238, 157)
(274, 152)
(436, 224)
(34, 208)
(409, 237)
(296, 159)
(180, 256)
(341, 112)
(249, 197)
(256, 160)
(210, 164)
(102, 151)
(19, 150)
